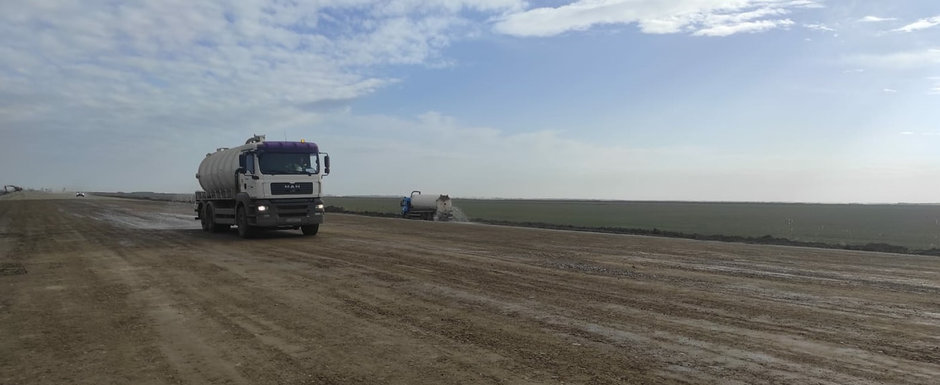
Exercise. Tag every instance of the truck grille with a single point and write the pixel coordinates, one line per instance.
(291, 188)
(288, 210)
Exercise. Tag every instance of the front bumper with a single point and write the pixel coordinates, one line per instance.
(286, 213)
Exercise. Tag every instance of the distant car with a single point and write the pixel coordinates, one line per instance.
(80, 194)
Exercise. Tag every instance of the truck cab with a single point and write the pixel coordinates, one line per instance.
(266, 174)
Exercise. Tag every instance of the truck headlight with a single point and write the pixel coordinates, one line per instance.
(262, 208)
(319, 207)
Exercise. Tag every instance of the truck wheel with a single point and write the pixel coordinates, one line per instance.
(210, 221)
(241, 220)
(310, 229)
(204, 218)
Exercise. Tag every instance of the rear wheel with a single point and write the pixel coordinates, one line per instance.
(210, 221)
(310, 229)
(241, 220)
(204, 218)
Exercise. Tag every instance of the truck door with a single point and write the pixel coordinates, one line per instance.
(250, 181)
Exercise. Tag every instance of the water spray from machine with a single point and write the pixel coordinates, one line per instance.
(457, 215)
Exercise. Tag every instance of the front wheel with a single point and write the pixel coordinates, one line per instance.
(310, 229)
(241, 220)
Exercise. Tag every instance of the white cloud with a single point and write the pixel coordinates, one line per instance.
(926, 133)
(875, 19)
(935, 89)
(890, 91)
(700, 17)
(920, 24)
(819, 27)
(749, 26)
(194, 59)
(899, 60)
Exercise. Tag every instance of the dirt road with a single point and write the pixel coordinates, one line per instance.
(109, 291)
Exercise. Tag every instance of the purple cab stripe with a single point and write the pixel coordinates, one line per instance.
(288, 147)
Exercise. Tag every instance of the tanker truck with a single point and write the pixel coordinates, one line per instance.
(426, 206)
(262, 185)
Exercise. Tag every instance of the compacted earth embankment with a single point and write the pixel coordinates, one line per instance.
(121, 291)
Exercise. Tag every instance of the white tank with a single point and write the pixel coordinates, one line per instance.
(217, 170)
(429, 202)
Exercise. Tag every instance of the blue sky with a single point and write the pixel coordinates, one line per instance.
(744, 100)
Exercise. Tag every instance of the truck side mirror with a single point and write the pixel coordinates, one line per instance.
(241, 162)
(326, 165)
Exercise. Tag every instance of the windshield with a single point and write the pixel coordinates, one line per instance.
(288, 163)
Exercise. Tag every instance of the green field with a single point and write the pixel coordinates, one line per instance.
(916, 227)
